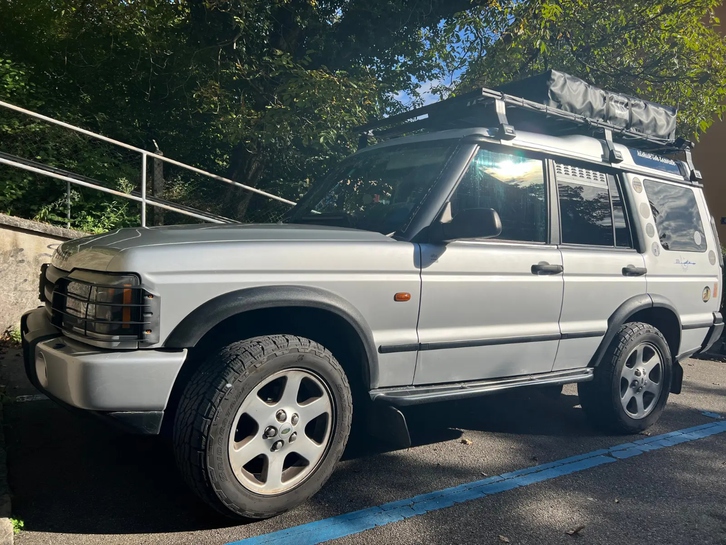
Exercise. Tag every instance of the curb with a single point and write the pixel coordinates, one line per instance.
(6, 526)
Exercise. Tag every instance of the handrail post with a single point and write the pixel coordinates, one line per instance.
(143, 189)
(68, 204)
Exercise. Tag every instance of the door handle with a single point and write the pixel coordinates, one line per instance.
(632, 270)
(545, 268)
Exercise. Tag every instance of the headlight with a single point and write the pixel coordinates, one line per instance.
(102, 305)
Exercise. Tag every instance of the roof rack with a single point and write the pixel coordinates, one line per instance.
(488, 107)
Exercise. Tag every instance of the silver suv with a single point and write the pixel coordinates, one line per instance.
(443, 265)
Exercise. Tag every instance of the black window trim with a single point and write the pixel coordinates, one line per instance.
(619, 181)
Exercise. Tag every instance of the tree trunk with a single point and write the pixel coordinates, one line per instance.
(246, 168)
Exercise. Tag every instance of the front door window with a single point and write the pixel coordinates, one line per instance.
(512, 185)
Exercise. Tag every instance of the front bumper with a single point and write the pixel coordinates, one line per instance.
(130, 386)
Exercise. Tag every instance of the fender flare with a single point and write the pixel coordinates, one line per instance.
(201, 320)
(623, 313)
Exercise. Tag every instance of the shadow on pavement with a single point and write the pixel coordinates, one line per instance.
(71, 474)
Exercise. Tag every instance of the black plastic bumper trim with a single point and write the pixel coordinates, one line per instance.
(412, 347)
(699, 325)
(714, 334)
(139, 422)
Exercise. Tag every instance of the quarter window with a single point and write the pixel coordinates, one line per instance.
(677, 217)
(591, 209)
(514, 186)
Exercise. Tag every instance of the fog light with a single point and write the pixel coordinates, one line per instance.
(41, 369)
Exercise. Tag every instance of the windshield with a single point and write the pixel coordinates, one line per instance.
(378, 190)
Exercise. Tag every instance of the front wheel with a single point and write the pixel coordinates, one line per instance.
(632, 382)
(261, 425)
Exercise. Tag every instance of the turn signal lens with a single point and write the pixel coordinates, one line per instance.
(715, 290)
(128, 299)
(402, 297)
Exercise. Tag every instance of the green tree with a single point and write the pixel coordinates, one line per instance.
(668, 51)
(267, 91)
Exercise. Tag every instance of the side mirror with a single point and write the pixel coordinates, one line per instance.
(470, 223)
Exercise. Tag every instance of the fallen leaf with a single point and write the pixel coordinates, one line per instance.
(575, 531)
(466, 441)
(504, 539)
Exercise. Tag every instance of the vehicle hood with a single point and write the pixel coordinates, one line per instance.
(97, 252)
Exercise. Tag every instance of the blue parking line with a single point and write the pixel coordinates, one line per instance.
(380, 515)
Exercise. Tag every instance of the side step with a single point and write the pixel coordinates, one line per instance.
(414, 395)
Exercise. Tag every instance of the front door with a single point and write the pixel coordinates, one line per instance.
(490, 308)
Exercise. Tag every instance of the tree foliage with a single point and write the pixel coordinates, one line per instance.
(267, 91)
(668, 51)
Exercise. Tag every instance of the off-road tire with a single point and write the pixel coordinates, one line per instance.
(601, 397)
(211, 400)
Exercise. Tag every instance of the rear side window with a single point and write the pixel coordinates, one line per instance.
(591, 209)
(676, 216)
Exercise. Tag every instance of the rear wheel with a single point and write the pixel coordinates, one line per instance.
(632, 382)
(262, 424)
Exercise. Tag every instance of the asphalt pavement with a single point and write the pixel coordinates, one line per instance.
(78, 481)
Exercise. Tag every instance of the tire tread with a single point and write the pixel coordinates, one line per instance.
(595, 395)
(203, 394)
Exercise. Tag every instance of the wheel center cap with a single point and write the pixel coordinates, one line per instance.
(285, 430)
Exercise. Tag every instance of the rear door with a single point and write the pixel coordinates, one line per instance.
(601, 267)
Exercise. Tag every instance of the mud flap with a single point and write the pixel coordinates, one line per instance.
(387, 423)
(677, 379)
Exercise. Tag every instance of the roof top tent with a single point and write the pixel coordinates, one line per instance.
(554, 103)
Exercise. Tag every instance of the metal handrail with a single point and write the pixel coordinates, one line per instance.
(144, 158)
(103, 189)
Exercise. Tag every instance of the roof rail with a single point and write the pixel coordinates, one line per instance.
(488, 108)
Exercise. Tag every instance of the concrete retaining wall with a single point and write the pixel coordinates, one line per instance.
(24, 246)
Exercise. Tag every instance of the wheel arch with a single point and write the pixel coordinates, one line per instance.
(310, 312)
(655, 310)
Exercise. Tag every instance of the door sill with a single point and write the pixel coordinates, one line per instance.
(414, 395)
